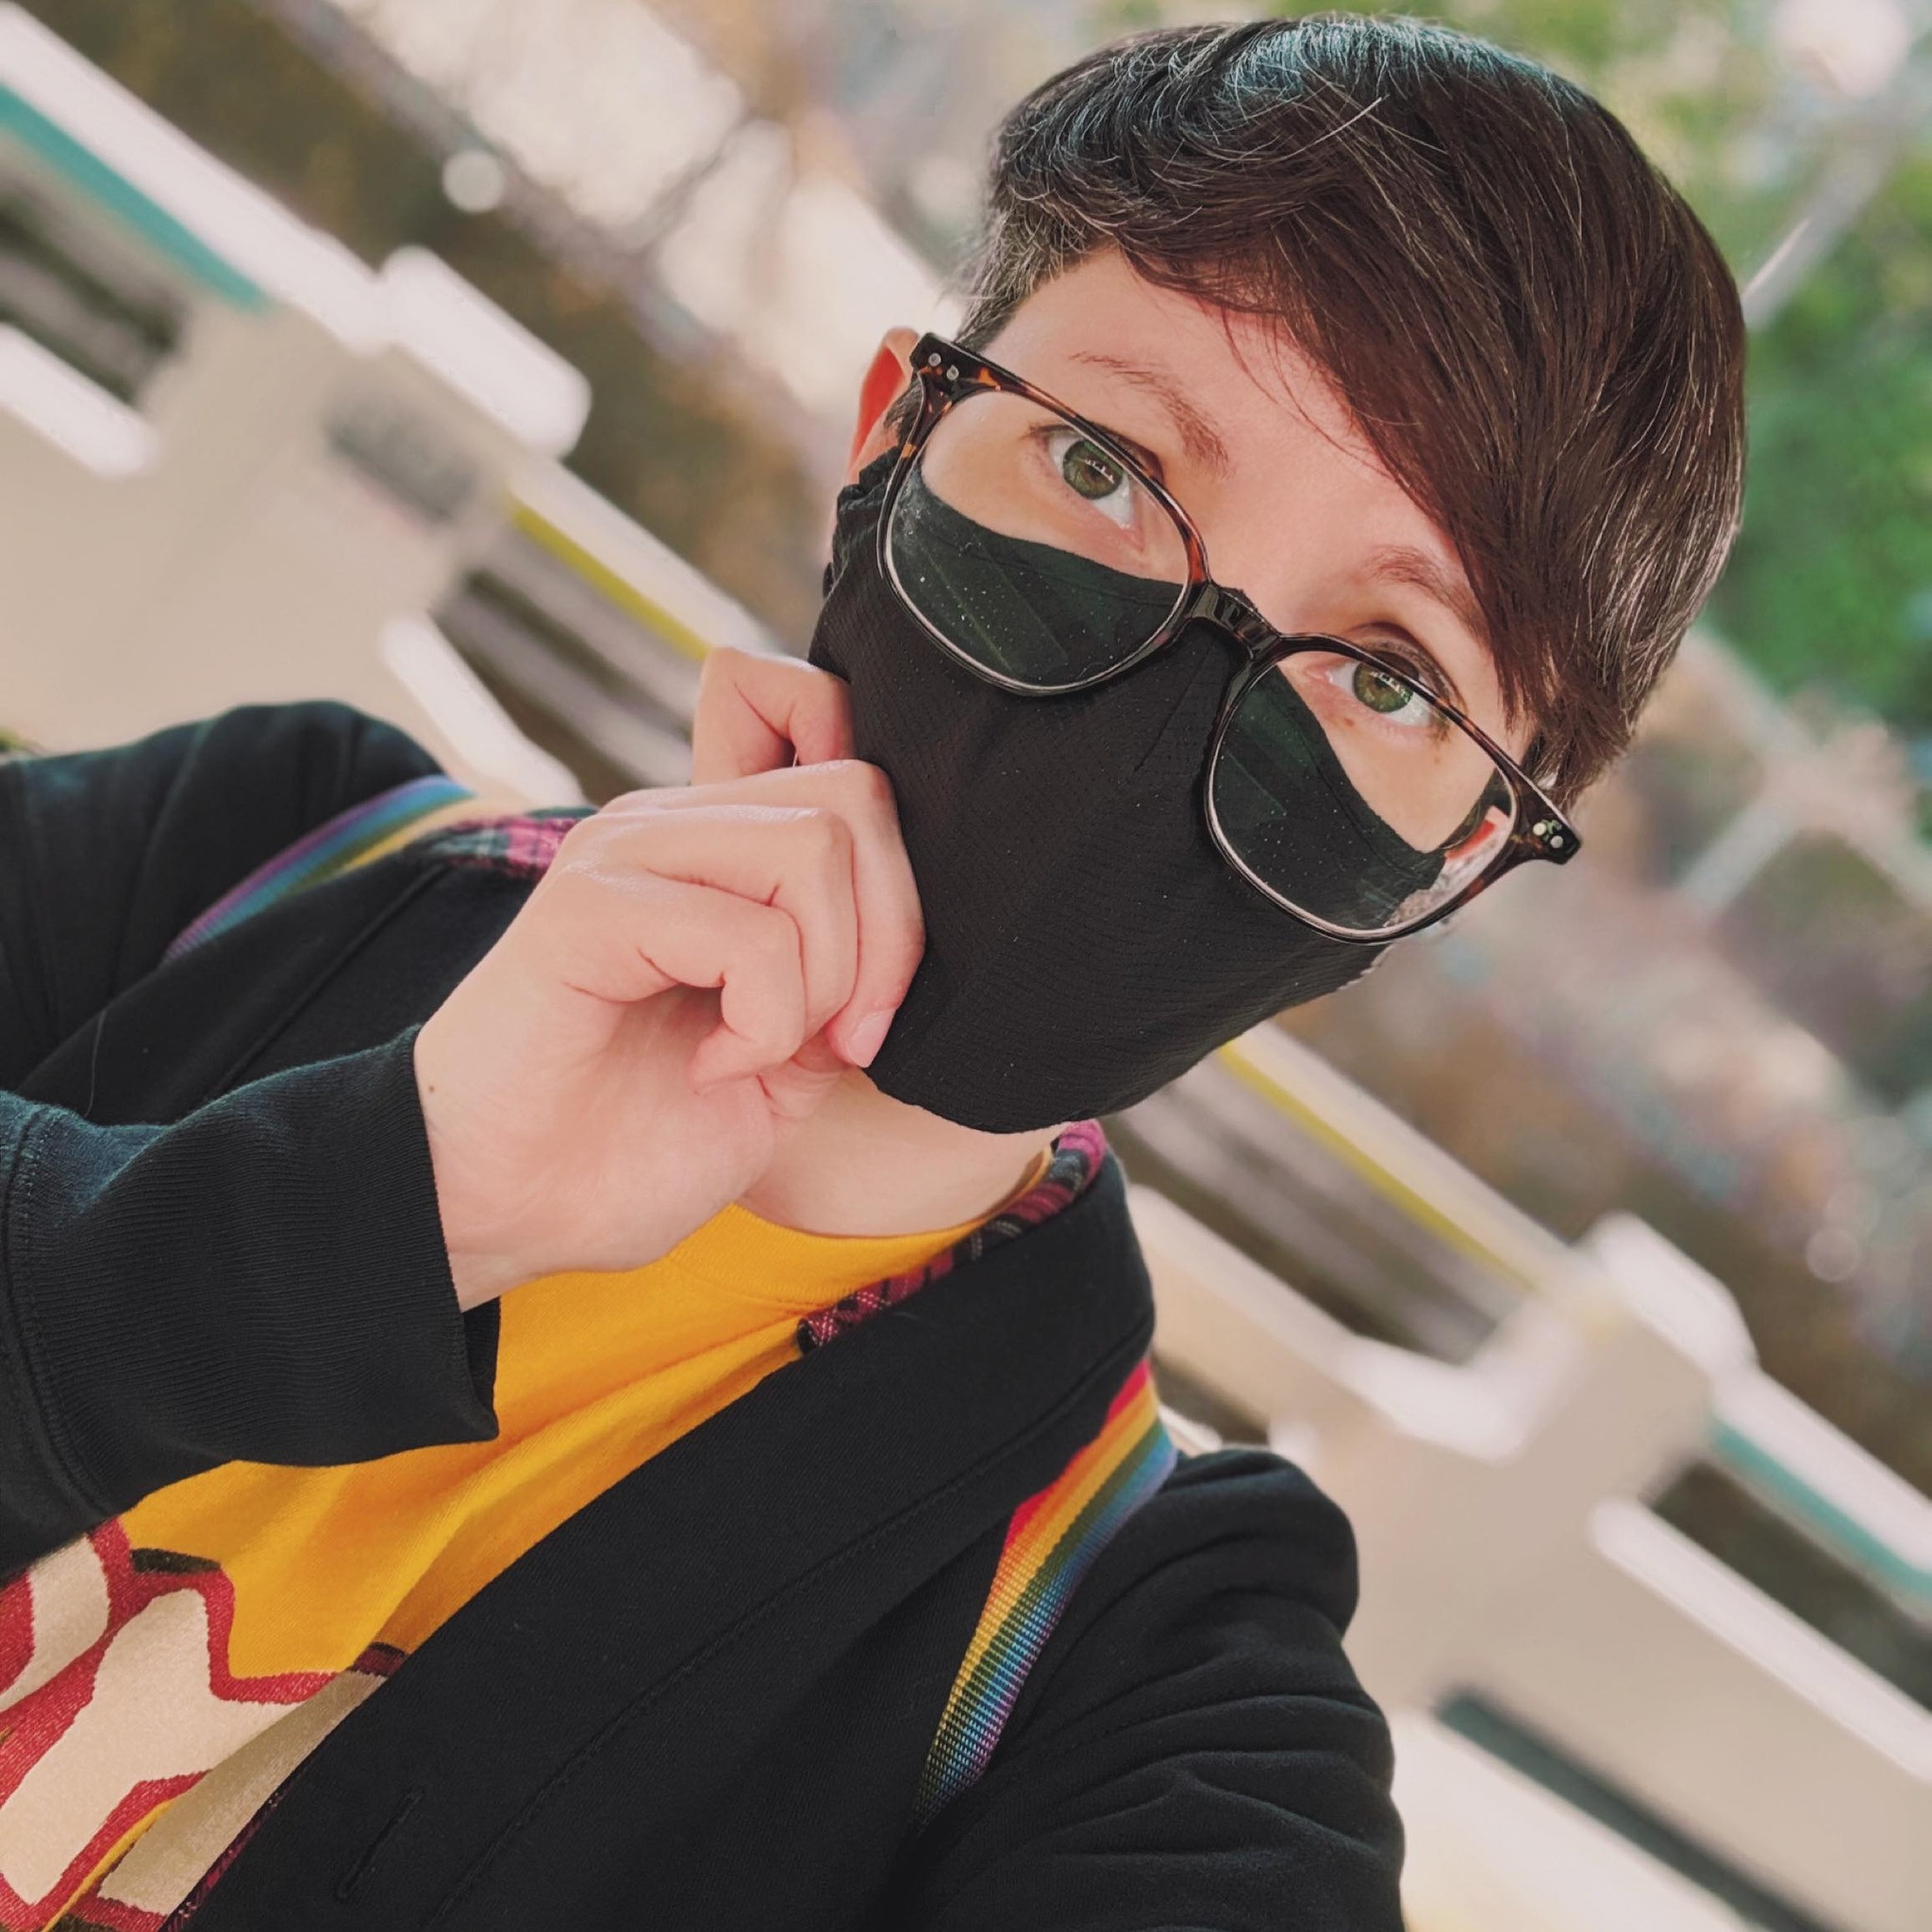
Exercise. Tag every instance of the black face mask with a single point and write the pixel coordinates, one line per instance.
(1085, 942)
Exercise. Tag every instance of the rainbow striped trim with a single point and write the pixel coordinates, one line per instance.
(364, 832)
(1051, 1544)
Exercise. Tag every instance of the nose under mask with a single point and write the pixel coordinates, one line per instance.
(1085, 942)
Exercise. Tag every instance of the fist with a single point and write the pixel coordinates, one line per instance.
(700, 965)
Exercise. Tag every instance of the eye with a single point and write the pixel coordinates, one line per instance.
(1382, 692)
(1091, 473)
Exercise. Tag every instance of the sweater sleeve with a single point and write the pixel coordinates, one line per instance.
(1193, 1749)
(105, 856)
(263, 1280)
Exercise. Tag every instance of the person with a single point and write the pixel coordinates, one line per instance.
(594, 1368)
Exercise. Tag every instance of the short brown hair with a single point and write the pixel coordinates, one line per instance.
(1535, 333)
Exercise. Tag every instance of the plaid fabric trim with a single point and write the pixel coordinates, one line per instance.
(1076, 1158)
(520, 848)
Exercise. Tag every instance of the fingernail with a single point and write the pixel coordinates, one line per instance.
(867, 1036)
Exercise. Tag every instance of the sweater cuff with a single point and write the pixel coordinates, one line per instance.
(263, 1281)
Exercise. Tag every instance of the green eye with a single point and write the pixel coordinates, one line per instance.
(1091, 471)
(1379, 690)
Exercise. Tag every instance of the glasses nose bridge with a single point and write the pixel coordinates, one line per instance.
(1235, 613)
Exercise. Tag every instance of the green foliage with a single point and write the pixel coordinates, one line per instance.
(1684, 75)
(1831, 583)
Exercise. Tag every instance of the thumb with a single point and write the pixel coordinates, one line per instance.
(799, 1088)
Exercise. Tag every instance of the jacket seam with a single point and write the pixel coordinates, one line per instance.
(44, 1420)
(286, 1016)
(36, 939)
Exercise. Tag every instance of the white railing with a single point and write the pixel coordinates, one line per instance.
(319, 455)
(1506, 1550)
(191, 548)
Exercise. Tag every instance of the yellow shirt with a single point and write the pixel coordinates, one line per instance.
(595, 1373)
(269, 1600)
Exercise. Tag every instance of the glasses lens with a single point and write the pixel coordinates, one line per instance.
(1347, 793)
(1031, 549)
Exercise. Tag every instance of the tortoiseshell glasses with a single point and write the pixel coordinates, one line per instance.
(1044, 556)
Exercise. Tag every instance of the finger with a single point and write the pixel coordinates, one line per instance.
(796, 1091)
(620, 939)
(762, 1003)
(762, 714)
(798, 858)
(892, 930)
(817, 1054)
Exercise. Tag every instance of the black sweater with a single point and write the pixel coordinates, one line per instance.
(705, 1699)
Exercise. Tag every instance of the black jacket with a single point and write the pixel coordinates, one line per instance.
(704, 1700)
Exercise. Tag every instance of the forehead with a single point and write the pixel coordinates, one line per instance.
(1100, 325)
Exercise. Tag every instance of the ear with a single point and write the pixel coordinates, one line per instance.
(885, 382)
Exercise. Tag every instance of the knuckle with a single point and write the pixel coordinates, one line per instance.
(902, 958)
(785, 667)
(822, 684)
(771, 943)
(581, 837)
(864, 785)
(721, 665)
(590, 852)
(824, 836)
(572, 876)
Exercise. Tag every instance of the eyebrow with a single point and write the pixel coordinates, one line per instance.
(1198, 436)
(1402, 563)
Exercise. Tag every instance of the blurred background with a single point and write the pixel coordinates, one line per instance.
(486, 363)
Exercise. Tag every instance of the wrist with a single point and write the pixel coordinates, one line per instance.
(480, 1278)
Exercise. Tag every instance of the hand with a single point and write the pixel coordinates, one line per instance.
(699, 965)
